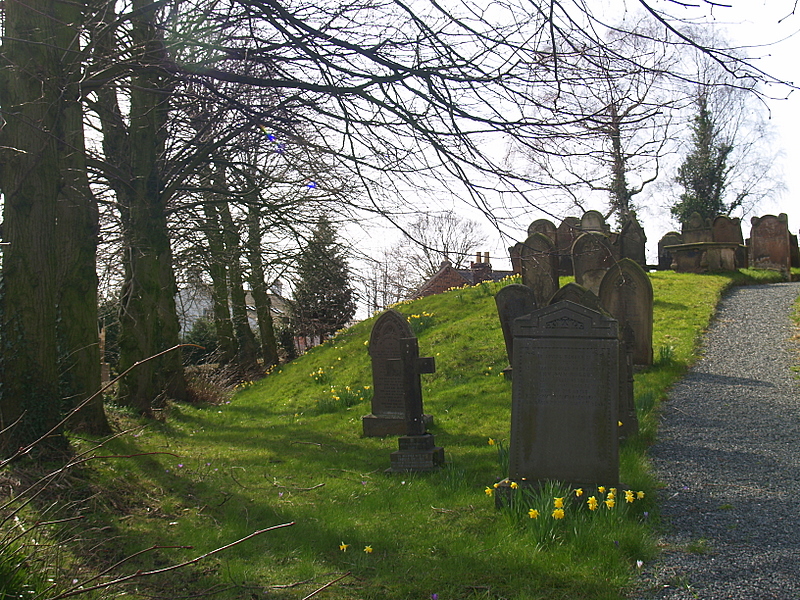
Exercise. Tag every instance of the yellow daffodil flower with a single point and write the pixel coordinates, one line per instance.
(558, 513)
(533, 513)
(489, 491)
(639, 495)
(629, 496)
(368, 549)
(343, 547)
(609, 503)
(579, 492)
(496, 485)
(601, 489)
(558, 502)
(592, 502)
(491, 442)
(514, 485)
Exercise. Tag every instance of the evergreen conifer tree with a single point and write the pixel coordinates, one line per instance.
(324, 299)
(704, 171)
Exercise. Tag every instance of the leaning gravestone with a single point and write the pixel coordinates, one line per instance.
(627, 294)
(770, 247)
(513, 301)
(565, 397)
(566, 234)
(540, 267)
(592, 256)
(543, 226)
(418, 451)
(386, 347)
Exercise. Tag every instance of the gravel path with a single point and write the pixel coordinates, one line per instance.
(729, 456)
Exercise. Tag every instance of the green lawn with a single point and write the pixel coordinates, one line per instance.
(288, 449)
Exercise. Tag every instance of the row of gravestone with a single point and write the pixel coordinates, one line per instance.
(629, 242)
(718, 245)
(572, 390)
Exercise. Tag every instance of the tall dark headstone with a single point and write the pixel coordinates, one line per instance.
(566, 234)
(770, 247)
(515, 254)
(418, 451)
(632, 241)
(389, 389)
(540, 267)
(592, 256)
(627, 294)
(565, 393)
(513, 301)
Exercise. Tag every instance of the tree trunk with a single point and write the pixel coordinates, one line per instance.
(269, 346)
(246, 352)
(33, 104)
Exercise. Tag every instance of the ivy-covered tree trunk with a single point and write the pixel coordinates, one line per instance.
(38, 100)
(269, 345)
(148, 318)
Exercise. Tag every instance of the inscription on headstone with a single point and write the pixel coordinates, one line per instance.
(565, 397)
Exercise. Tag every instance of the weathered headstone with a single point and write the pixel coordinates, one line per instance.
(632, 241)
(418, 451)
(593, 220)
(769, 243)
(513, 301)
(696, 229)
(627, 294)
(726, 229)
(515, 253)
(592, 256)
(579, 295)
(565, 397)
(543, 226)
(671, 238)
(566, 234)
(540, 267)
(389, 390)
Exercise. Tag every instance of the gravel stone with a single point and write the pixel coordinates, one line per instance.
(728, 455)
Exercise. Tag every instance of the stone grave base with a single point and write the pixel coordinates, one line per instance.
(381, 426)
(416, 453)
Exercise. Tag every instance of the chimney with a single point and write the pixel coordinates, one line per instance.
(481, 271)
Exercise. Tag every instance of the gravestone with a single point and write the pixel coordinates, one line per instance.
(544, 227)
(389, 392)
(592, 256)
(515, 254)
(726, 229)
(513, 301)
(565, 396)
(627, 294)
(540, 267)
(579, 295)
(632, 241)
(418, 450)
(593, 220)
(696, 229)
(566, 234)
(794, 253)
(769, 243)
(671, 238)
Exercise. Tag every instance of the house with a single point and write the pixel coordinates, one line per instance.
(450, 277)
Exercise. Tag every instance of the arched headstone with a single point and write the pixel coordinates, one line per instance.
(769, 243)
(592, 256)
(543, 226)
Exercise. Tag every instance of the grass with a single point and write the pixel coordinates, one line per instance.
(288, 449)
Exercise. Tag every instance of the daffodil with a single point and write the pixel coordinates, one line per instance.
(492, 442)
(368, 549)
(639, 495)
(592, 502)
(489, 491)
(533, 513)
(609, 503)
(558, 513)
(514, 485)
(629, 496)
(558, 502)
(343, 547)
(579, 492)
(601, 489)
